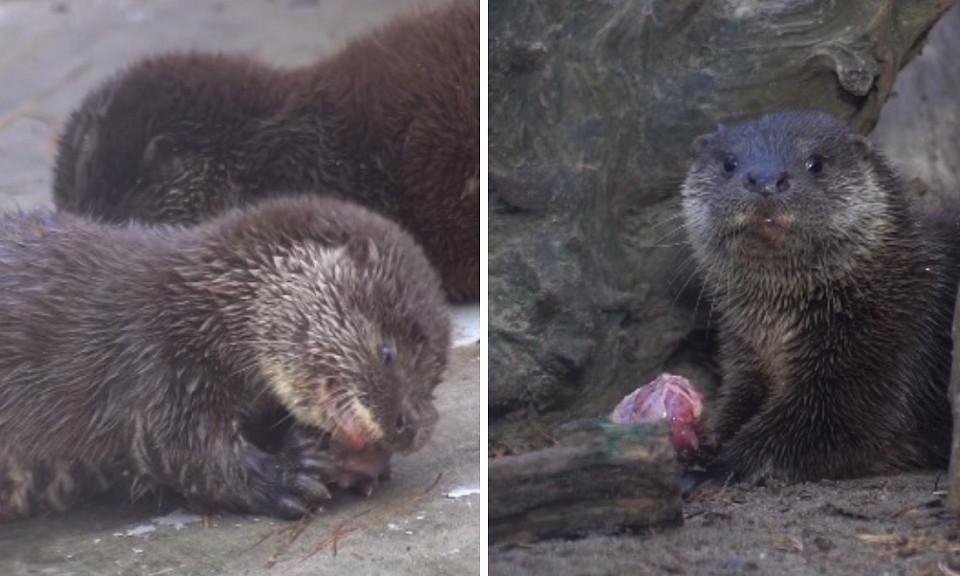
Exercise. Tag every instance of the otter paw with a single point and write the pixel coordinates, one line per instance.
(297, 493)
(752, 463)
(310, 449)
(277, 485)
(359, 470)
(287, 492)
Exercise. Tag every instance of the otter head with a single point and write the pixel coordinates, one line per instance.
(135, 148)
(353, 338)
(791, 193)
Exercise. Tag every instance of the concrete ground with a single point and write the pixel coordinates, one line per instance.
(426, 519)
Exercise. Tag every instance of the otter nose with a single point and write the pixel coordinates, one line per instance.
(767, 182)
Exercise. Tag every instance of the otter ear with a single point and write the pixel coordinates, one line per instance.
(160, 156)
(861, 144)
(702, 142)
(158, 151)
(363, 251)
(84, 140)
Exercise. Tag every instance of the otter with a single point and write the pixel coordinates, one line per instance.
(835, 301)
(135, 357)
(392, 121)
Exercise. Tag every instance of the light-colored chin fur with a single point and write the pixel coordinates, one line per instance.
(354, 426)
(359, 428)
(792, 267)
(311, 400)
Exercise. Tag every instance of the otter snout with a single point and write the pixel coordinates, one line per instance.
(415, 424)
(766, 181)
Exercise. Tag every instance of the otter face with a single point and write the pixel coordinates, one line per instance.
(354, 342)
(791, 190)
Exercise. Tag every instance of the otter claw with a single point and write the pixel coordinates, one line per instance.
(290, 508)
(311, 487)
(367, 488)
(296, 494)
(318, 465)
(310, 450)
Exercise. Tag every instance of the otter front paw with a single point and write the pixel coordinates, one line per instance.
(282, 486)
(337, 465)
(297, 493)
(754, 462)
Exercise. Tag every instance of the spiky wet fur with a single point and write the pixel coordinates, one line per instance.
(835, 323)
(138, 352)
(391, 121)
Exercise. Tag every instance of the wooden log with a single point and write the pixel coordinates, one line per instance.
(601, 478)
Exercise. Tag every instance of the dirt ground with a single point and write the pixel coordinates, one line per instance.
(895, 525)
(875, 526)
(426, 519)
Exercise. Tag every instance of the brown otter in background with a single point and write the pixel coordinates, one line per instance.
(392, 121)
(141, 353)
(835, 301)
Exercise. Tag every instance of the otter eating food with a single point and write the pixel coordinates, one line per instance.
(138, 355)
(835, 301)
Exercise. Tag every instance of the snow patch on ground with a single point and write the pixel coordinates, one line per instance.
(178, 519)
(466, 324)
(462, 492)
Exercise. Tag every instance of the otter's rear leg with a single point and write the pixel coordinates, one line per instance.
(790, 445)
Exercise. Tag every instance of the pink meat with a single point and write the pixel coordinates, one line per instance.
(668, 396)
(362, 469)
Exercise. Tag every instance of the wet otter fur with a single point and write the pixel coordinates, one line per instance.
(137, 355)
(835, 301)
(392, 121)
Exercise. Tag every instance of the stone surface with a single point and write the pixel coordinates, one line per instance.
(918, 125)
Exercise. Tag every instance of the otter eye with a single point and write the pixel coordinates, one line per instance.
(730, 163)
(386, 355)
(401, 423)
(814, 164)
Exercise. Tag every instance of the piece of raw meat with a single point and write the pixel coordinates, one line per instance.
(668, 396)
